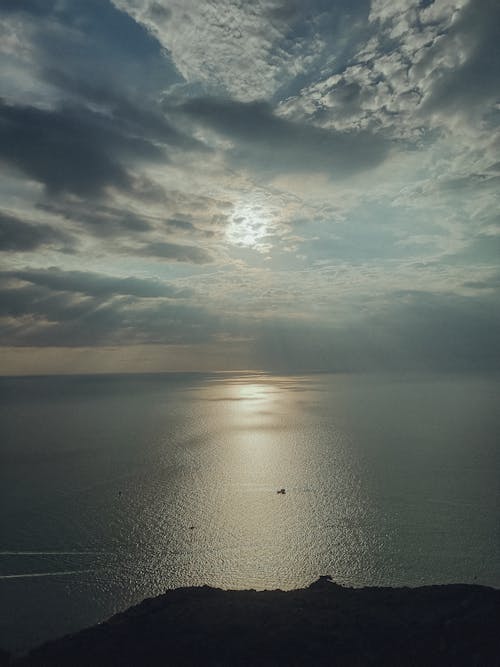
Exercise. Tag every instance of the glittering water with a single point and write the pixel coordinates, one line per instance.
(115, 488)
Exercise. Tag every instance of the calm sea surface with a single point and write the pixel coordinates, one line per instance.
(115, 488)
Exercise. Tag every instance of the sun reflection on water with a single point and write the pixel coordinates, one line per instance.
(249, 437)
(248, 525)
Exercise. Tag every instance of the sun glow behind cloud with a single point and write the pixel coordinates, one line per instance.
(249, 225)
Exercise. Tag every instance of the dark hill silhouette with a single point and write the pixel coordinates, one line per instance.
(324, 624)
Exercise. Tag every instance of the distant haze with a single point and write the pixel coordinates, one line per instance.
(277, 185)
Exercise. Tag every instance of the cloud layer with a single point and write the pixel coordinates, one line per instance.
(271, 185)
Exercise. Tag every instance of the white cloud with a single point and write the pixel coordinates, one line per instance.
(231, 46)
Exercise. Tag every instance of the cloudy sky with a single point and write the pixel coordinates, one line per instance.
(224, 184)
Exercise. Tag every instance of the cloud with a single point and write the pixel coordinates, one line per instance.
(96, 120)
(73, 308)
(69, 150)
(177, 223)
(176, 251)
(99, 219)
(415, 331)
(405, 330)
(473, 81)
(418, 62)
(17, 235)
(287, 42)
(314, 178)
(268, 142)
(80, 151)
(103, 47)
(126, 221)
(94, 284)
(133, 119)
(207, 41)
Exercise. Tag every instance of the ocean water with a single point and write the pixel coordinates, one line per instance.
(115, 488)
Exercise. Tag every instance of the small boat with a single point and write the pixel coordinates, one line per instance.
(282, 491)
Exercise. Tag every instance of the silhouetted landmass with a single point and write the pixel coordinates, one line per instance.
(322, 624)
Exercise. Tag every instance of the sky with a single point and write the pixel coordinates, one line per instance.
(277, 185)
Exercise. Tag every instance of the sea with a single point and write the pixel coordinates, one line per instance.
(114, 488)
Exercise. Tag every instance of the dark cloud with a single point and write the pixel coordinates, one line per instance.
(94, 284)
(72, 308)
(183, 226)
(177, 252)
(411, 330)
(104, 219)
(102, 46)
(269, 142)
(108, 221)
(417, 331)
(178, 223)
(69, 150)
(30, 303)
(444, 331)
(99, 219)
(476, 80)
(17, 235)
(133, 119)
(109, 72)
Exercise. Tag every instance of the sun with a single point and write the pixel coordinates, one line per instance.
(249, 225)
